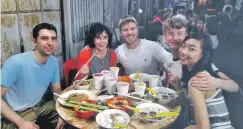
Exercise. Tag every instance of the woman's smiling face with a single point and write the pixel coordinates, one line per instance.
(190, 52)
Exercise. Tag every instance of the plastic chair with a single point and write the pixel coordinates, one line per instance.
(70, 68)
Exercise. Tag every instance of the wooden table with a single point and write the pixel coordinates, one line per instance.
(69, 116)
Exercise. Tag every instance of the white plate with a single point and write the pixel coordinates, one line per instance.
(103, 117)
(147, 107)
(144, 77)
(164, 91)
(90, 94)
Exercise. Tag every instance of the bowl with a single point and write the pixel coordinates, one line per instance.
(82, 84)
(142, 77)
(164, 94)
(107, 118)
(82, 114)
(118, 103)
(151, 109)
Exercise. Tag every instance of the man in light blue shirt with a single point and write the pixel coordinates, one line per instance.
(24, 79)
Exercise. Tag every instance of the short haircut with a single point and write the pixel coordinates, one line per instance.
(126, 19)
(95, 30)
(37, 28)
(174, 23)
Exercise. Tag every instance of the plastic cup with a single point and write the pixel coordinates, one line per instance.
(140, 87)
(110, 83)
(115, 71)
(122, 87)
(106, 73)
(98, 80)
(153, 81)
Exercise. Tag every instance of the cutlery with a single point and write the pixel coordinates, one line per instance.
(133, 97)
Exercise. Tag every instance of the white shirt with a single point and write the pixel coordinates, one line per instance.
(144, 58)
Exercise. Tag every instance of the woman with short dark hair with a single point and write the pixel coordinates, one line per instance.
(98, 44)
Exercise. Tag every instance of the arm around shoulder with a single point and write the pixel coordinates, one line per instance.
(226, 83)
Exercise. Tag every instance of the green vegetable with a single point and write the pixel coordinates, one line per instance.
(81, 107)
(88, 104)
(89, 109)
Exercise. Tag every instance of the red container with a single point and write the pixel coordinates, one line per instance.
(84, 114)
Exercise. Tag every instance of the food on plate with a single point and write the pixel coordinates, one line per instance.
(164, 96)
(118, 103)
(143, 114)
(109, 120)
(87, 104)
(79, 97)
(125, 79)
(83, 83)
(152, 113)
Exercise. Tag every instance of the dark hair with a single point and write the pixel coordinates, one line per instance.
(37, 28)
(205, 63)
(95, 30)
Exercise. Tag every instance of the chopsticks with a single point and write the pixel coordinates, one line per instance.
(85, 64)
(133, 97)
(163, 114)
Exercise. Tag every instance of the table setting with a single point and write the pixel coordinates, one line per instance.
(109, 101)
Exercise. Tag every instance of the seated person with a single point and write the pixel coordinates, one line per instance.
(98, 41)
(138, 54)
(196, 57)
(25, 78)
